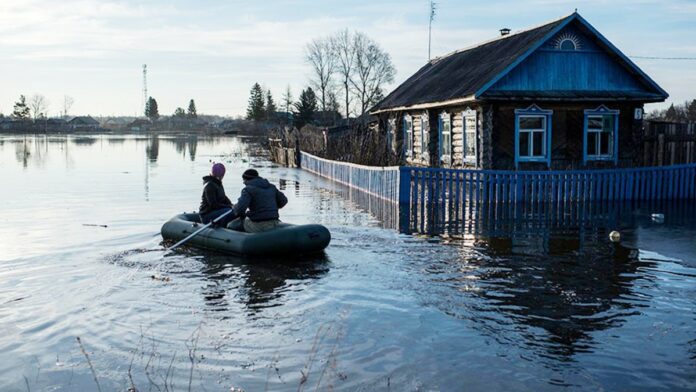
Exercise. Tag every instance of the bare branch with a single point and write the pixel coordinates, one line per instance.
(39, 106)
(373, 69)
(320, 56)
(342, 46)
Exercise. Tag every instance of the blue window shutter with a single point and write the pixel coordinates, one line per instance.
(549, 135)
(517, 141)
(584, 140)
(616, 139)
(439, 138)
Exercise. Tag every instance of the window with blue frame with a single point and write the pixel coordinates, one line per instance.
(445, 136)
(425, 137)
(601, 134)
(470, 124)
(391, 126)
(533, 135)
(408, 136)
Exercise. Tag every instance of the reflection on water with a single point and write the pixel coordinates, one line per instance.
(522, 298)
(578, 291)
(257, 283)
(152, 150)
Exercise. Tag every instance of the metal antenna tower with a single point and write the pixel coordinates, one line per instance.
(145, 97)
(433, 7)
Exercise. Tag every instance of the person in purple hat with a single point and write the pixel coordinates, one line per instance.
(214, 202)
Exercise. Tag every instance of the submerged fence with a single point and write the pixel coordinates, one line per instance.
(381, 182)
(447, 200)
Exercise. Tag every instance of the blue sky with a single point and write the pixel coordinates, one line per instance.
(213, 51)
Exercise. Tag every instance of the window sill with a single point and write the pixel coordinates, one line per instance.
(599, 158)
(540, 159)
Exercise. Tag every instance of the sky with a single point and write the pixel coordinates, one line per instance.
(213, 51)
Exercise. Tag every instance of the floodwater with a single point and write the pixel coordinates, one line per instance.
(81, 256)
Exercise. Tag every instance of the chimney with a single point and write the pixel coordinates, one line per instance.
(504, 31)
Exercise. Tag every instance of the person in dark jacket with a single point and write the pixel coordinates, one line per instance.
(259, 202)
(213, 201)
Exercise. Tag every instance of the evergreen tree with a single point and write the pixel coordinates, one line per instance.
(306, 108)
(691, 111)
(255, 111)
(151, 110)
(192, 110)
(21, 109)
(671, 114)
(179, 113)
(271, 108)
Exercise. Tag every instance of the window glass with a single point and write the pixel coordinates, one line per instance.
(592, 143)
(608, 123)
(600, 136)
(470, 144)
(470, 136)
(524, 144)
(447, 144)
(408, 125)
(425, 128)
(594, 122)
(538, 144)
(605, 143)
(531, 122)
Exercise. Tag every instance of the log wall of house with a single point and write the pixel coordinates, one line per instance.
(567, 136)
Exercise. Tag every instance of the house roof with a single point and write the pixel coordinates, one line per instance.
(467, 74)
(87, 120)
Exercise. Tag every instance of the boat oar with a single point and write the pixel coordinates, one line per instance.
(216, 220)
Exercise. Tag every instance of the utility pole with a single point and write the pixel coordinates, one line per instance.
(433, 5)
(144, 88)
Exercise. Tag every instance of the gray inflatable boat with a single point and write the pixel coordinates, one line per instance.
(286, 239)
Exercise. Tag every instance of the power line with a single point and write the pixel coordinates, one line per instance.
(662, 58)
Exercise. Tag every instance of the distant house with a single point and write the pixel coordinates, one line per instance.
(83, 123)
(139, 125)
(14, 124)
(227, 124)
(115, 123)
(56, 125)
(556, 96)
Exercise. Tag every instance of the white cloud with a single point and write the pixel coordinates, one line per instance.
(93, 49)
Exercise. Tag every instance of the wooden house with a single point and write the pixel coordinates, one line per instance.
(557, 96)
(83, 123)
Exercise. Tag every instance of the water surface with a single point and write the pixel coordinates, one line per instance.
(81, 256)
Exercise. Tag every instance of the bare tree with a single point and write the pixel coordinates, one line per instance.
(344, 51)
(286, 101)
(373, 69)
(38, 105)
(68, 101)
(319, 54)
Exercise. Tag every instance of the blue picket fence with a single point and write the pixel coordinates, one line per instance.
(381, 182)
(444, 200)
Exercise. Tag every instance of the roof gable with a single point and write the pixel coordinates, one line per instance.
(462, 73)
(469, 74)
(575, 64)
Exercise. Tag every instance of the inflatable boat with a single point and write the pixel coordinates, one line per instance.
(286, 239)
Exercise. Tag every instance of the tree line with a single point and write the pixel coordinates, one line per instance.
(262, 107)
(152, 110)
(350, 63)
(347, 64)
(36, 108)
(685, 112)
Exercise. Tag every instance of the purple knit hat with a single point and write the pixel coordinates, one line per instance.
(218, 170)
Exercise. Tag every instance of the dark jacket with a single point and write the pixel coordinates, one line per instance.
(262, 199)
(213, 197)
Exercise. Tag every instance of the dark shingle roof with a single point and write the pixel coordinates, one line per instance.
(462, 73)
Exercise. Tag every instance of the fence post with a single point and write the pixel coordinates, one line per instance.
(404, 199)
